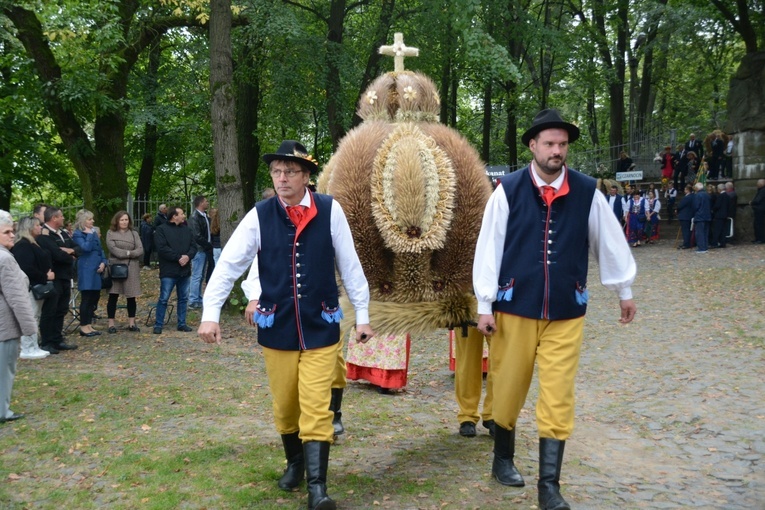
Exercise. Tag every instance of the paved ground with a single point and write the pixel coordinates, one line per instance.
(671, 408)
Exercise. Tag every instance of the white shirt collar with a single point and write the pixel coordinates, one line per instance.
(557, 183)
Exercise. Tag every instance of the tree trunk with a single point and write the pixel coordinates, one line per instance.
(247, 114)
(373, 61)
(486, 130)
(223, 119)
(151, 131)
(335, 24)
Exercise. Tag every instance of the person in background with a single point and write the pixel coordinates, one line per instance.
(685, 215)
(147, 239)
(653, 206)
(728, 162)
(36, 264)
(758, 207)
(267, 193)
(530, 280)
(215, 240)
(63, 252)
(702, 216)
(16, 315)
(670, 196)
(616, 203)
(717, 161)
(720, 213)
(636, 218)
(667, 168)
(90, 264)
(175, 249)
(161, 217)
(732, 210)
(125, 247)
(680, 164)
(625, 162)
(693, 145)
(199, 222)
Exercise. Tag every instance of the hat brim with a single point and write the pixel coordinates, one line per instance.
(573, 131)
(307, 164)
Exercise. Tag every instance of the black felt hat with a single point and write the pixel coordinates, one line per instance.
(549, 119)
(290, 150)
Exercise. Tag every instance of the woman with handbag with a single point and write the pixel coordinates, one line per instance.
(125, 249)
(36, 264)
(90, 264)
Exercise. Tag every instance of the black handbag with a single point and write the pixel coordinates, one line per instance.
(43, 290)
(119, 271)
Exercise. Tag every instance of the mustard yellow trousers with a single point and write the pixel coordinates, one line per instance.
(555, 346)
(300, 384)
(468, 376)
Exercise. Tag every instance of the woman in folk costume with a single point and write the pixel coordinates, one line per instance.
(414, 191)
(636, 218)
(653, 207)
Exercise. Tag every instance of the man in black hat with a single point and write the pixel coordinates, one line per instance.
(298, 239)
(531, 286)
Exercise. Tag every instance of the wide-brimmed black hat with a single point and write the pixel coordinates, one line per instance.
(290, 150)
(549, 119)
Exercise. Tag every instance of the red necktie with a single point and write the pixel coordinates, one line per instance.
(548, 193)
(295, 213)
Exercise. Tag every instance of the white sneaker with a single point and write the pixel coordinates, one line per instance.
(41, 352)
(33, 355)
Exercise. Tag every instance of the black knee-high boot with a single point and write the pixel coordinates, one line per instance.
(550, 461)
(503, 468)
(334, 405)
(295, 472)
(316, 462)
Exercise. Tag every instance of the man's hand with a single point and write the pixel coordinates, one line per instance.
(629, 309)
(486, 324)
(68, 251)
(183, 260)
(249, 312)
(209, 332)
(101, 268)
(364, 333)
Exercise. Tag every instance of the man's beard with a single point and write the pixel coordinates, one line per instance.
(549, 167)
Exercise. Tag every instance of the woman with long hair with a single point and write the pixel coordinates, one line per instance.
(124, 247)
(36, 264)
(90, 264)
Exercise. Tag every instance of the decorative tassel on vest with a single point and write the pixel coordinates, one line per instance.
(331, 314)
(582, 294)
(506, 293)
(265, 317)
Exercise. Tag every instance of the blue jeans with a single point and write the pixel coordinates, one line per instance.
(197, 275)
(181, 291)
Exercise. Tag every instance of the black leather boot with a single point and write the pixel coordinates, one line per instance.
(334, 405)
(550, 460)
(295, 472)
(503, 468)
(316, 462)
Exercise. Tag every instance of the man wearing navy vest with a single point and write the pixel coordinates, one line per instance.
(530, 279)
(615, 202)
(298, 239)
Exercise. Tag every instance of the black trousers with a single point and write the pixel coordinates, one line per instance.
(111, 306)
(88, 305)
(53, 312)
(718, 232)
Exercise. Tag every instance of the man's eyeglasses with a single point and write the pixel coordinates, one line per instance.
(290, 172)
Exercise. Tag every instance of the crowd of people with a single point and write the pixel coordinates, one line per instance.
(55, 256)
(705, 212)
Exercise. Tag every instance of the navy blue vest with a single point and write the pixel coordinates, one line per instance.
(297, 277)
(544, 262)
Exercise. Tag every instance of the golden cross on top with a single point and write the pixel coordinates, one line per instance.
(398, 51)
